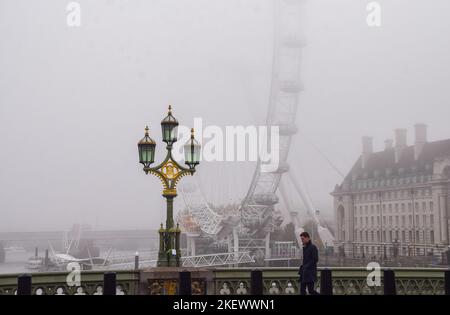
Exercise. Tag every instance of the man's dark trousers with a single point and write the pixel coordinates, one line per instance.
(310, 286)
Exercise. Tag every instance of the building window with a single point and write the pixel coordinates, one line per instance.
(431, 205)
(431, 220)
(432, 237)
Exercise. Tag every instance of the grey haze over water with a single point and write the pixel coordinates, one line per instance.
(74, 101)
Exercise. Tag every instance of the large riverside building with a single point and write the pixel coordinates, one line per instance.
(411, 187)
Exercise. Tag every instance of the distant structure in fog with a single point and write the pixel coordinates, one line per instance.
(411, 186)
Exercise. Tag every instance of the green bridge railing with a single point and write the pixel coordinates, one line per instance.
(227, 281)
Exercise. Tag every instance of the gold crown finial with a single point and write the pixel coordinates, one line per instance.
(146, 130)
(192, 133)
(170, 109)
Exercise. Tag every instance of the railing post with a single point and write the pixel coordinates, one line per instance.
(326, 282)
(389, 282)
(185, 284)
(109, 283)
(256, 285)
(447, 282)
(24, 285)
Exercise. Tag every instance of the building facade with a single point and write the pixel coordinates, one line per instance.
(396, 201)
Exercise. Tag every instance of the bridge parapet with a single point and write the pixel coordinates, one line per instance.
(224, 281)
(56, 283)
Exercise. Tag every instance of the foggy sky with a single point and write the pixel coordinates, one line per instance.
(74, 101)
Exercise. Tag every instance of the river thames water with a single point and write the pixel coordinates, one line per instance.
(16, 261)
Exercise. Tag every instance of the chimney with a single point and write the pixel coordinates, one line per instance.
(388, 144)
(367, 150)
(400, 143)
(421, 139)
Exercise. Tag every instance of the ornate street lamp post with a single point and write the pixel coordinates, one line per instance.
(169, 172)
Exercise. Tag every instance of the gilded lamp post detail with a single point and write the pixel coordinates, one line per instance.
(169, 172)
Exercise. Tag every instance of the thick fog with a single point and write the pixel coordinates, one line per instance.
(74, 101)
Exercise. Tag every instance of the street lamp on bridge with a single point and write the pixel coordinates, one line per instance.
(169, 172)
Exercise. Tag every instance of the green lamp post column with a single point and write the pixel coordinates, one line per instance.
(169, 172)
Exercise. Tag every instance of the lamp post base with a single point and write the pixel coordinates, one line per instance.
(165, 263)
(169, 255)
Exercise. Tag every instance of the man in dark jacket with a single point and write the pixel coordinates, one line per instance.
(308, 270)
